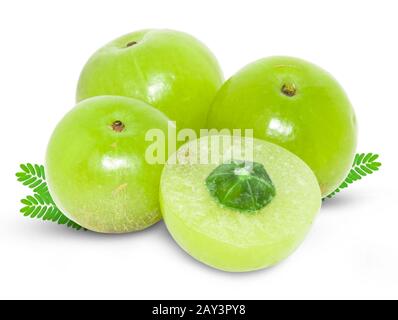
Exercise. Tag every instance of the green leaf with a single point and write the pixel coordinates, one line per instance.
(40, 205)
(29, 211)
(32, 200)
(367, 157)
(62, 220)
(344, 185)
(366, 169)
(33, 177)
(26, 202)
(354, 176)
(374, 158)
(24, 168)
(363, 165)
(374, 166)
(42, 212)
(38, 170)
(37, 207)
(29, 181)
(42, 188)
(49, 214)
(35, 212)
(360, 171)
(358, 158)
(39, 199)
(57, 215)
(31, 169)
(43, 173)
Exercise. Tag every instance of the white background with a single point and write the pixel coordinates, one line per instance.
(352, 251)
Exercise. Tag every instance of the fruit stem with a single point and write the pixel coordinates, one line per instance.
(118, 126)
(130, 44)
(289, 89)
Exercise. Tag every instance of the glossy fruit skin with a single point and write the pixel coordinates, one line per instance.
(235, 241)
(98, 176)
(170, 70)
(318, 123)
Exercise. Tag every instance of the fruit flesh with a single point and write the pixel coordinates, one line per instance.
(97, 173)
(296, 105)
(231, 240)
(170, 70)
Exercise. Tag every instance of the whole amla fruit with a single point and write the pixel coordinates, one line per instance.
(296, 105)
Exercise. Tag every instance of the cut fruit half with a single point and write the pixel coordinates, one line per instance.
(238, 204)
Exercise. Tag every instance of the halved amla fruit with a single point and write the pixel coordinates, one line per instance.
(238, 204)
